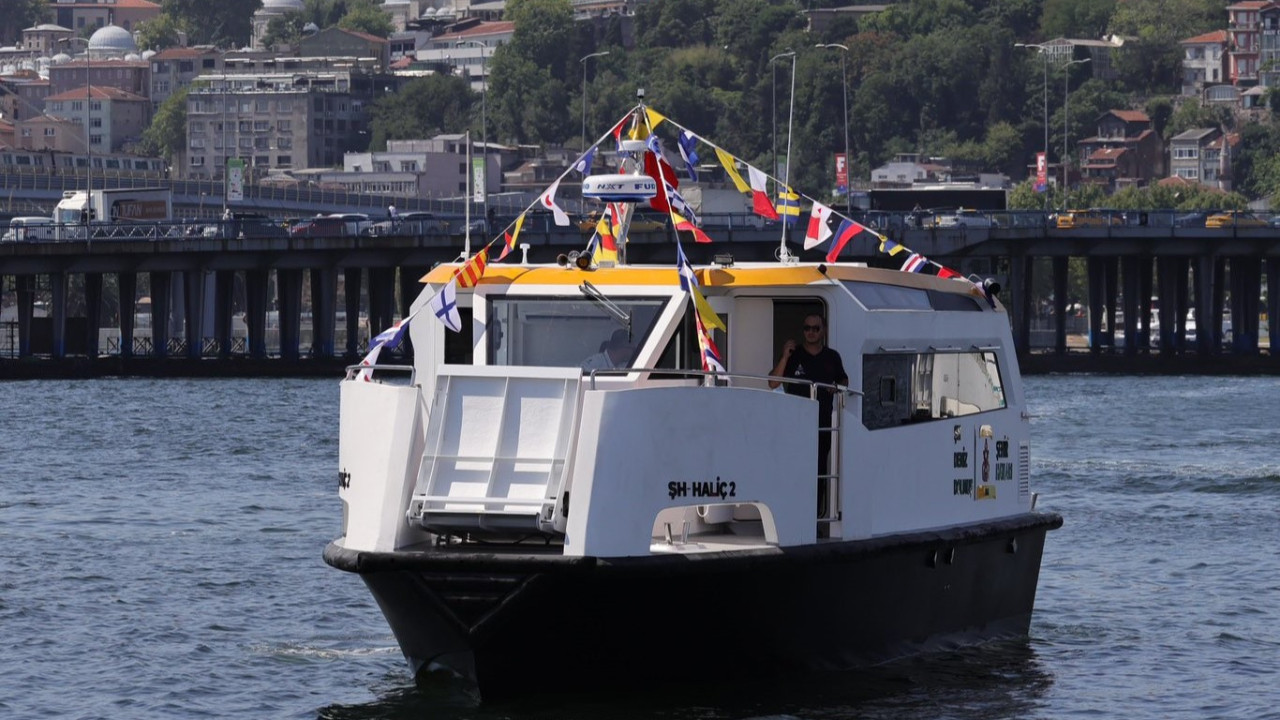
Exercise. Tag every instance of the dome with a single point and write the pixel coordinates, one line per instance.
(133, 57)
(60, 58)
(282, 6)
(112, 39)
(148, 54)
(310, 29)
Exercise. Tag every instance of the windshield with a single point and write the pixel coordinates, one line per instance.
(567, 332)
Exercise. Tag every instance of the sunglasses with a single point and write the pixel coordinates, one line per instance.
(813, 328)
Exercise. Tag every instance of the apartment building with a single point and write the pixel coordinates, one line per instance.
(1203, 155)
(1125, 151)
(273, 121)
(1204, 62)
(114, 117)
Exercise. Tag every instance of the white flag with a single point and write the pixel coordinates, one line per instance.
(819, 231)
(445, 306)
(366, 371)
(548, 201)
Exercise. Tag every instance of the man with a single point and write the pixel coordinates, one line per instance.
(813, 361)
(614, 353)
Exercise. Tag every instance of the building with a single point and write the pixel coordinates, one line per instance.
(46, 39)
(1127, 151)
(173, 69)
(1269, 46)
(270, 10)
(1244, 35)
(1204, 62)
(49, 133)
(432, 168)
(131, 76)
(335, 42)
(114, 117)
(22, 97)
(127, 14)
(468, 47)
(273, 121)
(1203, 155)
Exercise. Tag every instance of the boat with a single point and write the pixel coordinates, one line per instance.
(528, 525)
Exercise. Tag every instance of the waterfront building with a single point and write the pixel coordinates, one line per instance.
(273, 120)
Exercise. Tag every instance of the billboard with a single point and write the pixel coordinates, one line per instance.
(235, 179)
(1042, 172)
(477, 179)
(842, 174)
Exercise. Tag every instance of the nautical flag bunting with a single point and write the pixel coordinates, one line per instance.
(510, 238)
(548, 201)
(915, 263)
(689, 283)
(468, 275)
(583, 165)
(846, 232)
(682, 224)
(819, 231)
(789, 206)
(759, 198)
(688, 144)
(445, 306)
(728, 162)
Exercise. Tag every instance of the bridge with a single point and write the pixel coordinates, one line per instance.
(298, 299)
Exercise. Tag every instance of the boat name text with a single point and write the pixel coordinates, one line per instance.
(702, 489)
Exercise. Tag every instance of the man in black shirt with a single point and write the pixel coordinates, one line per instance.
(815, 362)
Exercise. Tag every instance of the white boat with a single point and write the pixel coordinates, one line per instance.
(530, 525)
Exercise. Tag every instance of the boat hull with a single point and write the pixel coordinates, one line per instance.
(515, 623)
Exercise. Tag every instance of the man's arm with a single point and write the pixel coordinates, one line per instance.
(780, 369)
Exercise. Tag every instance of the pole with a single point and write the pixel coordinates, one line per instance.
(782, 247)
(466, 205)
(1066, 129)
(844, 84)
(786, 175)
(484, 130)
(1041, 48)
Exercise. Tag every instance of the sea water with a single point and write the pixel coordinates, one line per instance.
(162, 540)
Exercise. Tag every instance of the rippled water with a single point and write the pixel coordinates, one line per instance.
(162, 544)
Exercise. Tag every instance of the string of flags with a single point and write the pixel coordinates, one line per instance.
(604, 241)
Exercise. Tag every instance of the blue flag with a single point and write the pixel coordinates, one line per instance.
(688, 143)
(583, 165)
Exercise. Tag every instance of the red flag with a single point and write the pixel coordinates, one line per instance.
(509, 238)
(685, 225)
(945, 272)
(848, 229)
(659, 169)
(759, 198)
(468, 275)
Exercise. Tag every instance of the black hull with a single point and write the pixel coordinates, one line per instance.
(516, 623)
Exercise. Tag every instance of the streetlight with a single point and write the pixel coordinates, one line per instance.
(484, 131)
(844, 84)
(88, 112)
(1066, 119)
(1044, 54)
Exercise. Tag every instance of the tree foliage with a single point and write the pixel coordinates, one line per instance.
(17, 15)
(225, 23)
(167, 134)
(160, 32)
(364, 16)
(424, 107)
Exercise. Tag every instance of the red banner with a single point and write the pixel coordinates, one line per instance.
(1042, 172)
(842, 174)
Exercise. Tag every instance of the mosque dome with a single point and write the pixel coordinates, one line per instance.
(148, 54)
(111, 39)
(282, 6)
(60, 58)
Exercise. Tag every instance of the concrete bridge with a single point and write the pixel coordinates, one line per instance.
(300, 299)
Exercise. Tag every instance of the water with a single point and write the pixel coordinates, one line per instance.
(162, 544)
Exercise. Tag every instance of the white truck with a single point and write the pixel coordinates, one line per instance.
(114, 212)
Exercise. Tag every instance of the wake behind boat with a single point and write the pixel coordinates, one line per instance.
(662, 514)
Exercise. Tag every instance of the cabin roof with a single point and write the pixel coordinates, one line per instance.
(737, 276)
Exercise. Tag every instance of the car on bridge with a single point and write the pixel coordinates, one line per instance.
(1234, 218)
(964, 218)
(335, 225)
(1093, 217)
(415, 222)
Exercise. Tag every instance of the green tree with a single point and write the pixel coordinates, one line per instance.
(1194, 114)
(284, 29)
(530, 76)
(166, 136)
(160, 32)
(1076, 18)
(422, 108)
(17, 15)
(364, 16)
(223, 23)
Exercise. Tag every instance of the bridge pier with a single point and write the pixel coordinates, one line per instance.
(324, 289)
(255, 316)
(1021, 277)
(194, 285)
(1129, 276)
(289, 304)
(1060, 270)
(25, 285)
(1273, 305)
(224, 288)
(382, 299)
(351, 292)
(93, 312)
(58, 313)
(127, 282)
(1246, 293)
(161, 287)
(1146, 285)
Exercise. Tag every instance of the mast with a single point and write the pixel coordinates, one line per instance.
(466, 205)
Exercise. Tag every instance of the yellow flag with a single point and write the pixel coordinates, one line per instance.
(709, 316)
(655, 118)
(728, 162)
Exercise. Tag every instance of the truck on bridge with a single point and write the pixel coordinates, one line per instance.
(114, 212)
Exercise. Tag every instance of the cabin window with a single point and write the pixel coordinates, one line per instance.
(683, 351)
(563, 332)
(874, 296)
(901, 388)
